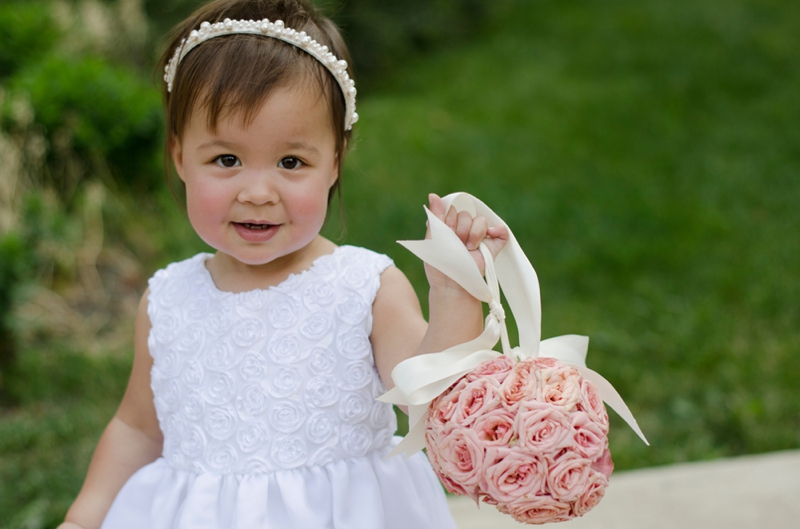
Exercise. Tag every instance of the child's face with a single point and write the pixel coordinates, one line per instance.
(260, 192)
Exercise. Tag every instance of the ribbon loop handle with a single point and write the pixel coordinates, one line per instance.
(422, 378)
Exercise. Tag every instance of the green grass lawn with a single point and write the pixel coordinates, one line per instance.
(645, 154)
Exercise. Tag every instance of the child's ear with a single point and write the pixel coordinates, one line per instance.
(177, 157)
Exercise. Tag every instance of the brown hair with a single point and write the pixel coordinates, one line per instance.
(234, 74)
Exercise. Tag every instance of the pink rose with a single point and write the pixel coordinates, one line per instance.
(441, 409)
(594, 492)
(604, 465)
(546, 367)
(568, 476)
(537, 510)
(556, 372)
(432, 439)
(451, 486)
(476, 399)
(542, 428)
(460, 458)
(544, 362)
(499, 368)
(563, 389)
(432, 443)
(592, 404)
(458, 385)
(589, 438)
(495, 428)
(521, 383)
(551, 367)
(509, 474)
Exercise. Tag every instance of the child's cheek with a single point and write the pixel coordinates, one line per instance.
(312, 207)
(207, 209)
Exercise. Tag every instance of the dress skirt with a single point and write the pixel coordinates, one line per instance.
(355, 493)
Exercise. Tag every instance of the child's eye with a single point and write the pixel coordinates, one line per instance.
(227, 160)
(290, 162)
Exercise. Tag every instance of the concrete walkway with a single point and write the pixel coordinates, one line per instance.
(751, 492)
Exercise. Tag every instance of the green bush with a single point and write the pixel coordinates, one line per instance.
(28, 32)
(14, 261)
(99, 113)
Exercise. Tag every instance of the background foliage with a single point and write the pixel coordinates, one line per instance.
(645, 154)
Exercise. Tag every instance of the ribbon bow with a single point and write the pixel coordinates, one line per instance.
(420, 379)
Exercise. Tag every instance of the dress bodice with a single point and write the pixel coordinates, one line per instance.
(281, 378)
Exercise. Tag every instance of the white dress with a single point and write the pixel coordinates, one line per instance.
(267, 404)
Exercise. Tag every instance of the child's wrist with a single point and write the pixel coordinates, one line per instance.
(454, 316)
(449, 289)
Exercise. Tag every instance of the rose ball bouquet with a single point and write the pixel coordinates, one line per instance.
(526, 430)
(529, 437)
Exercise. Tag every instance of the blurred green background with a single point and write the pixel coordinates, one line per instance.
(646, 154)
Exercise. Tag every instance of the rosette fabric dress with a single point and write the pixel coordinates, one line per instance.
(267, 404)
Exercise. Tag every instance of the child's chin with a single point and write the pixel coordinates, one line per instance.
(252, 259)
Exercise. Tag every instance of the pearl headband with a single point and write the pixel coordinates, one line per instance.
(276, 30)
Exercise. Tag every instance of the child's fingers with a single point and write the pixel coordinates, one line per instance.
(498, 232)
(436, 205)
(463, 226)
(471, 231)
(451, 218)
(497, 237)
(477, 233)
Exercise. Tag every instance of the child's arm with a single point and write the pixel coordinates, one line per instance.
(131, 440)
(399, 331)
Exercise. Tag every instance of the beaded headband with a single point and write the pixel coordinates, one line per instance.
(276, 30)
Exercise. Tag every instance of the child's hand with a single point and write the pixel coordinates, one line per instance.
(471, 231)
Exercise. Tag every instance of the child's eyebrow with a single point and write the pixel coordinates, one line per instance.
(216, 143)
(299, 145)
(292, 145)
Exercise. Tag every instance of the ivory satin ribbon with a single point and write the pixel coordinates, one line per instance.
(420, 379)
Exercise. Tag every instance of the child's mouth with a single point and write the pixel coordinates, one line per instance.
(256, 231)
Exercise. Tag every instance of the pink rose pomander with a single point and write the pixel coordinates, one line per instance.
(529, 437)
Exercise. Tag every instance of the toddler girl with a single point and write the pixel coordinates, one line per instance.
(251, 402)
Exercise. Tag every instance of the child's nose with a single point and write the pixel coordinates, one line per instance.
(259, 188)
